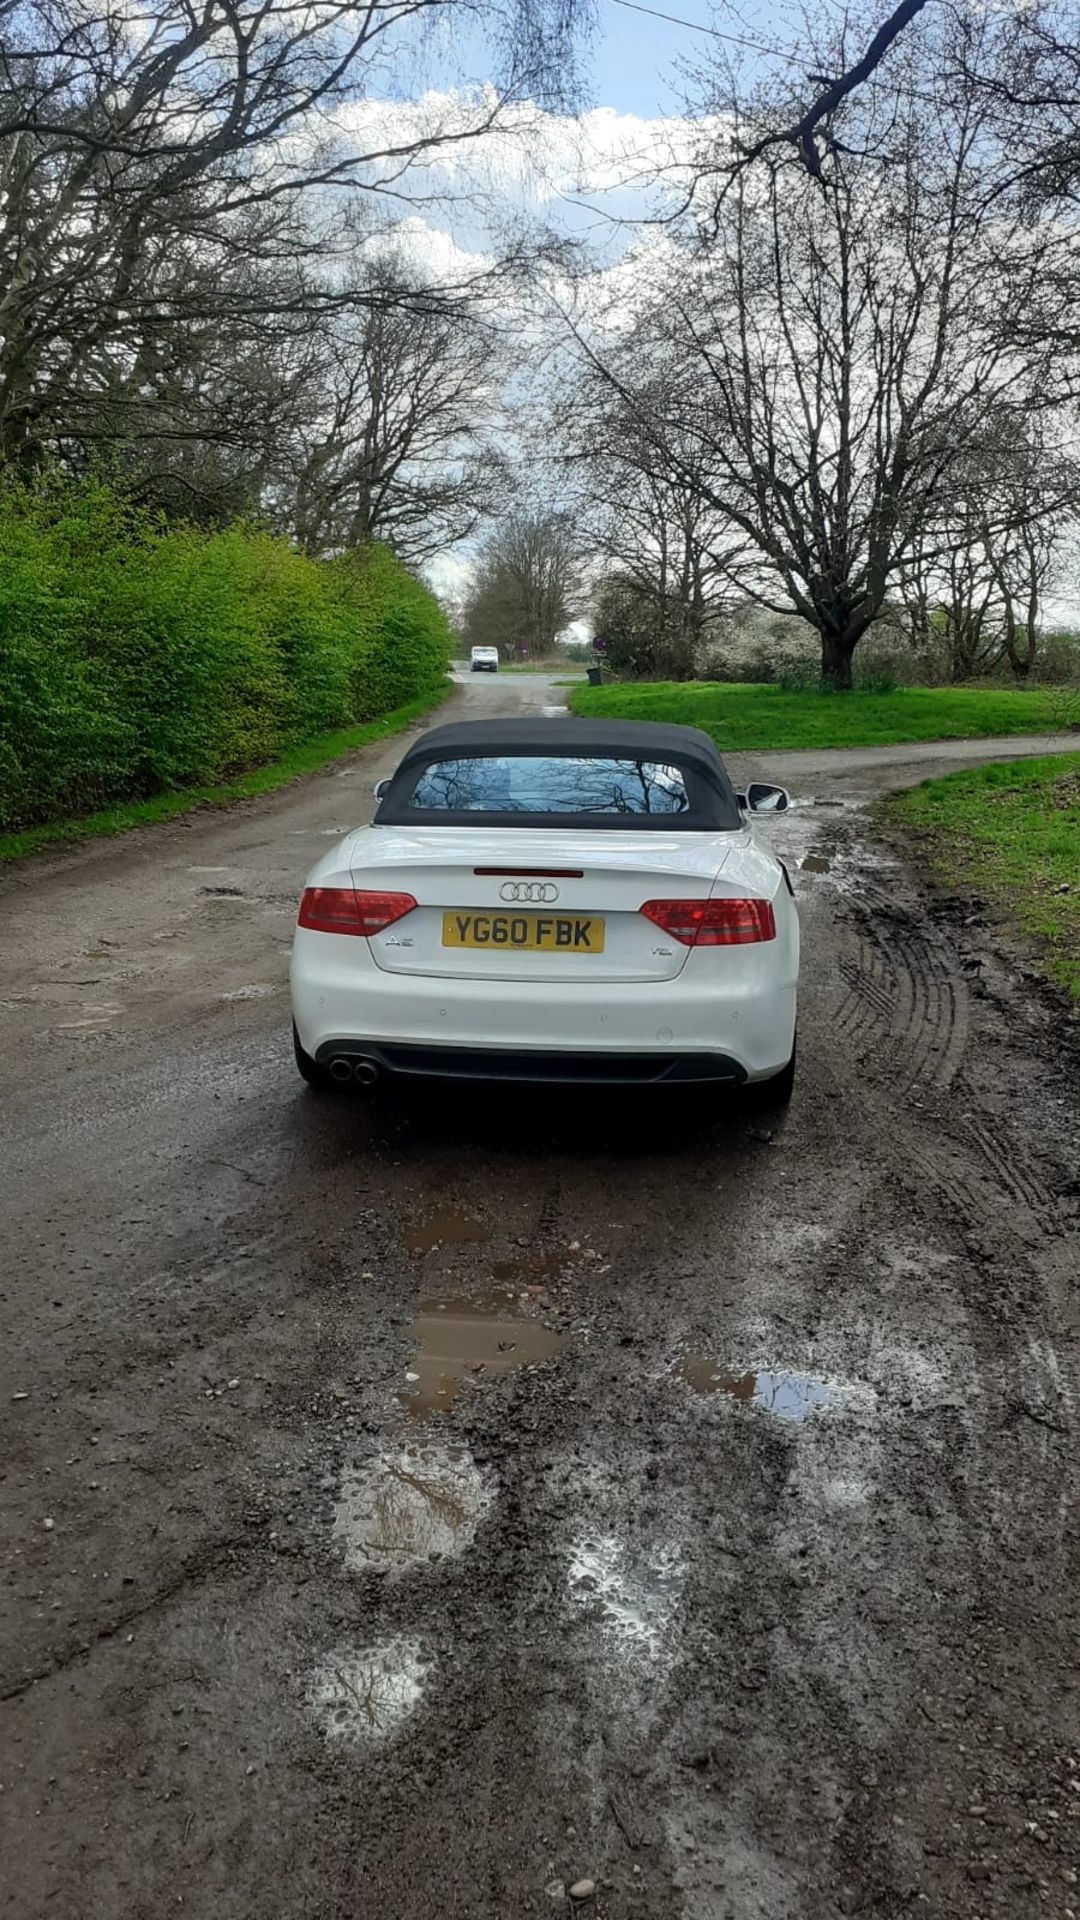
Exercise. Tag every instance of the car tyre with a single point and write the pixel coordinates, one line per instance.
(770, 1096)
(309, 1069)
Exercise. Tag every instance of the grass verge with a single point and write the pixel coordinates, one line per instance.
(1012, 832)
(747, 717)
(306, 758)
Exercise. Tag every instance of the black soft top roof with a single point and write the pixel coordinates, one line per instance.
(712, 799)
(634, 739)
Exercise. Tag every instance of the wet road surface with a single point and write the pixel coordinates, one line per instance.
(428, 1506)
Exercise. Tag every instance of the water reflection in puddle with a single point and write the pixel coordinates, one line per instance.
(460, 1339)
(790, 1396)
(446, 1227)
(366, 1693)
(414, 1504)
(638, 1592)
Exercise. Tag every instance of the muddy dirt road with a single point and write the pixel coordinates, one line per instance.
(420, 1510)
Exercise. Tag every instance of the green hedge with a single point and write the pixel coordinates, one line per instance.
(136, 656)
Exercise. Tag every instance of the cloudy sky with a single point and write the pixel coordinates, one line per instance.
(582, 172)
(588, 175)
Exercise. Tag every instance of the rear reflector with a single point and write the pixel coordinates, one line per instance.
(345, 910)
(713, 923)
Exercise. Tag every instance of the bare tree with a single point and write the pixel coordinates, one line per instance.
(195, 417)
(528, 583)
(655, 544)
(974, 578)
(670, 560)
(833, 345)
(1022, 575)
(981, 603)
(1023, 61)
(398, 436)
(152, 155)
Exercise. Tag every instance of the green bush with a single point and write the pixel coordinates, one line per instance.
(798, 676)
(136, 656)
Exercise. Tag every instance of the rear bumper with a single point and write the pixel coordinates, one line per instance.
(536, 1068)
(736, 1025)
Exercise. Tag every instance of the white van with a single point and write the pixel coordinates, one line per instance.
(484, 660)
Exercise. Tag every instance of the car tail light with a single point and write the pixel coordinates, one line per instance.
(347, 910)
(713, 923)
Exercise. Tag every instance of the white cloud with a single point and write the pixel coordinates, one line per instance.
(432, 251)
(530, 158)
(449, 575)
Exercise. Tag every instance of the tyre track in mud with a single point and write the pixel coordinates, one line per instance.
(906, 997)
(907, 1007)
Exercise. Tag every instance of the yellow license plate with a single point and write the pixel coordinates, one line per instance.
(525, 932)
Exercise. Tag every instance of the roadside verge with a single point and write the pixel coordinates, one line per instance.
(1011, 833)
(745, 718)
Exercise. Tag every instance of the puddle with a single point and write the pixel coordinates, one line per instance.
(447, 1227)
(365, 1694)
(415, 1504)
(790, 1396)
(815, 863)
(462, 1340)
(637, 1593)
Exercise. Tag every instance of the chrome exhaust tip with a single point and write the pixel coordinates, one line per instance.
(366, 1072)
(340, 1069)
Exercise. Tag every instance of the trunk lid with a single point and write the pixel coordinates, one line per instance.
(477, 882)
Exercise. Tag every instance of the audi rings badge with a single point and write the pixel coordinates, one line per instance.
(536, 892)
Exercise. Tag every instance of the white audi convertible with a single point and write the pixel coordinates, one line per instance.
(544, 900)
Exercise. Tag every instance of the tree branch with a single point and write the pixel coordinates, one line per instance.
(803, 133)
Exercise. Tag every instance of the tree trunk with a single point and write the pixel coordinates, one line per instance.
(836, 652)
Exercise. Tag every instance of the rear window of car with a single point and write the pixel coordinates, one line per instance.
(531, 784)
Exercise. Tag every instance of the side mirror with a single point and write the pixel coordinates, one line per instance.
(382, 788)
(762, 798)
